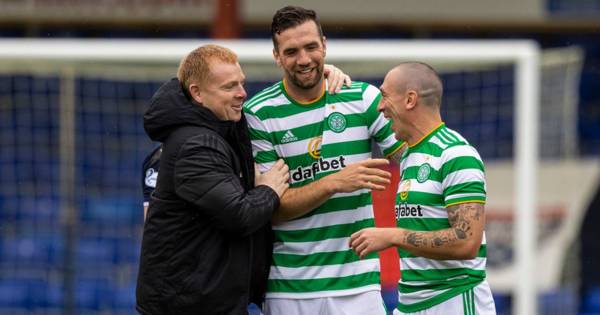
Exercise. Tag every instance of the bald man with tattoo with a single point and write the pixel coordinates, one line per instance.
(439, 206)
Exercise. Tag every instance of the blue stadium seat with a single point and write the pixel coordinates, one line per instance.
(24, 291)
(37, 293)
(13, 293)
(39, 209)
(95, 251)
(591, 301)
(124, 297)
(503, 303)
(37, 250)
(117, 250)
(28, 210)
(112, 210)
(128, 251)
(559, 301)
(93, 294)
(55, 294)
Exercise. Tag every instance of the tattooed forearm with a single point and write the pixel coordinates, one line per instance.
(460, 233)
(431, 240)
(441, 240)
(415, 239)
(464, 221)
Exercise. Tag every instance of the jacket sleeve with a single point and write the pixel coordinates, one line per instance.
(204, 177)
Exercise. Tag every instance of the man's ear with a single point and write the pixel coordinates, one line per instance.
(324, 46)
(195, 93)
(411, 99)
(276, 57)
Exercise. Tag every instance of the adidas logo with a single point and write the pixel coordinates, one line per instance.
(288, 137)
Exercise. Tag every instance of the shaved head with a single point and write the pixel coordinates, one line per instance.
(411, 94)
(420, 77)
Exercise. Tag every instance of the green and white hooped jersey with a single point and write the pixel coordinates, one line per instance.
(311, 255)
(439, 171)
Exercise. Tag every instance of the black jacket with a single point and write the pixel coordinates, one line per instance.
(207, 240)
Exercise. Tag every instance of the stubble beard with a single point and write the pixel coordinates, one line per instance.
(307, 85)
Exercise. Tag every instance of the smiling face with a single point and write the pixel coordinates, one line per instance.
(300, 52)
(411, 94)
(393, 104)
(223, 93)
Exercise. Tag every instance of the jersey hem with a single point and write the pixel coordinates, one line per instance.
(322, 294)
(438, 299)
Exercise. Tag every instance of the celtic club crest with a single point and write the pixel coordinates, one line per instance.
(423, 173)
(337, 122)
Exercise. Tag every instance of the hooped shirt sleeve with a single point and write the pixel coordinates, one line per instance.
(263, 148)
(379, 127)
(463, 176)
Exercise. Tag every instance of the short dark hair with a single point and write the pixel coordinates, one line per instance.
(292, 16)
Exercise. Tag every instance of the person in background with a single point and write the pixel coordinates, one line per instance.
(440, 203)
(150, 168)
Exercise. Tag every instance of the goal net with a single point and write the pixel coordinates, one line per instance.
(72, 144)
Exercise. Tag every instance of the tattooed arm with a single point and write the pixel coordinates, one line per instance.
(460, 241)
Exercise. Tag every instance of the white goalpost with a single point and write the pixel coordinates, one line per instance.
(67, 57)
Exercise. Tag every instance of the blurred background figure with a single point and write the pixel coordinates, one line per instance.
(72, 142)
(150, 168)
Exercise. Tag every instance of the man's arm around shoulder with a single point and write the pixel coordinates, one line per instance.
(204, 176)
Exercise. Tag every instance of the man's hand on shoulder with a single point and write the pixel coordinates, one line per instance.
(336, 78)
